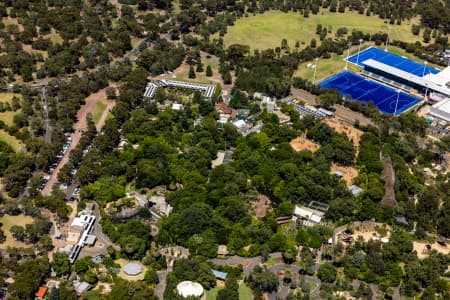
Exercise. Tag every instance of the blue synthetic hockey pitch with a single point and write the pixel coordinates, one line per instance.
(362, 89)
(392, 60)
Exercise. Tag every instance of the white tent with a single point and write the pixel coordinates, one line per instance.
(189, 288)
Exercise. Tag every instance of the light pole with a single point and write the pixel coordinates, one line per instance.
(315, 69)
(424, 67)
(348, 54)
(396, 102)
(359, 50)
(387, 39)
(426, 90)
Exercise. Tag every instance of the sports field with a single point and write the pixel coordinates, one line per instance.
(266, 30)
(386, 99)
(393, 60)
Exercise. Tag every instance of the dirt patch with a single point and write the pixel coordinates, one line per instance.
(342, 126)
(261, 206)
(389, 181)
(220, 283)
(349, 173)
(301, 143)
(422, 249)
(7, 222)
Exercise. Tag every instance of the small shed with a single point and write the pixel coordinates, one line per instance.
(220, 275)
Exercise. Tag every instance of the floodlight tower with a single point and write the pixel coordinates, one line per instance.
(396, 101)
(315, 70)
(359, 50)
(349, 44)
(387, 39)
(425, 63)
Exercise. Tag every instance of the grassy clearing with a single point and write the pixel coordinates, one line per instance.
(182, 73)
(325, 67)
(8, 117)
(7, 97)
(270, 262)
(12, 141)
(99, 109)
(176, 6)
(244, 292)
(212, 293)
(266, 30)
(7, 222)
(312, 286)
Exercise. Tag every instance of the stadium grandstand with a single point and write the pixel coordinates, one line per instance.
(206, 90)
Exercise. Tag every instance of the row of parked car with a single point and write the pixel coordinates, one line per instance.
(55, 164)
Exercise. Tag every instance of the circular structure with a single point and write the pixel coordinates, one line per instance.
(189, 288)
(132, 269)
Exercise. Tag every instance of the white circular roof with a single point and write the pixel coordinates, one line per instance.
(132, 269)
(189, 288)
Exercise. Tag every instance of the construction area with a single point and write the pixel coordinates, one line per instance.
(302, 143)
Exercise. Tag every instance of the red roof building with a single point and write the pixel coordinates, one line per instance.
(41, 292)
(223, 109)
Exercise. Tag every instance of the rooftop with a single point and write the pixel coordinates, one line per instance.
(132, 269)
(219, 274)
(189, 288)
(41, 292)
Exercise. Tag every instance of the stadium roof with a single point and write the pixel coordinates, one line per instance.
(132, 269)
(441, 110)
(421, 81)
(189, 288)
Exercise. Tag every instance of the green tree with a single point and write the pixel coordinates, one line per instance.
(151, 277)
(60, 263)
(191, 72)
(327, 272)
(209, 71)
(18, 232)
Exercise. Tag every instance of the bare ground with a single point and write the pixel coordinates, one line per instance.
(350, 173)
(342, 126)
(421, 249)
(302, 143)
(389, 181)
(261, 206)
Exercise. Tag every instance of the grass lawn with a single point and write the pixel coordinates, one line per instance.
(8, 116)
(7, 222)
(326, 67)
(12, 141)
(244, 292)
(182, 73)
(212, 293)
(266, 30)
(312, 286)
(99, 109)
(270, 262)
